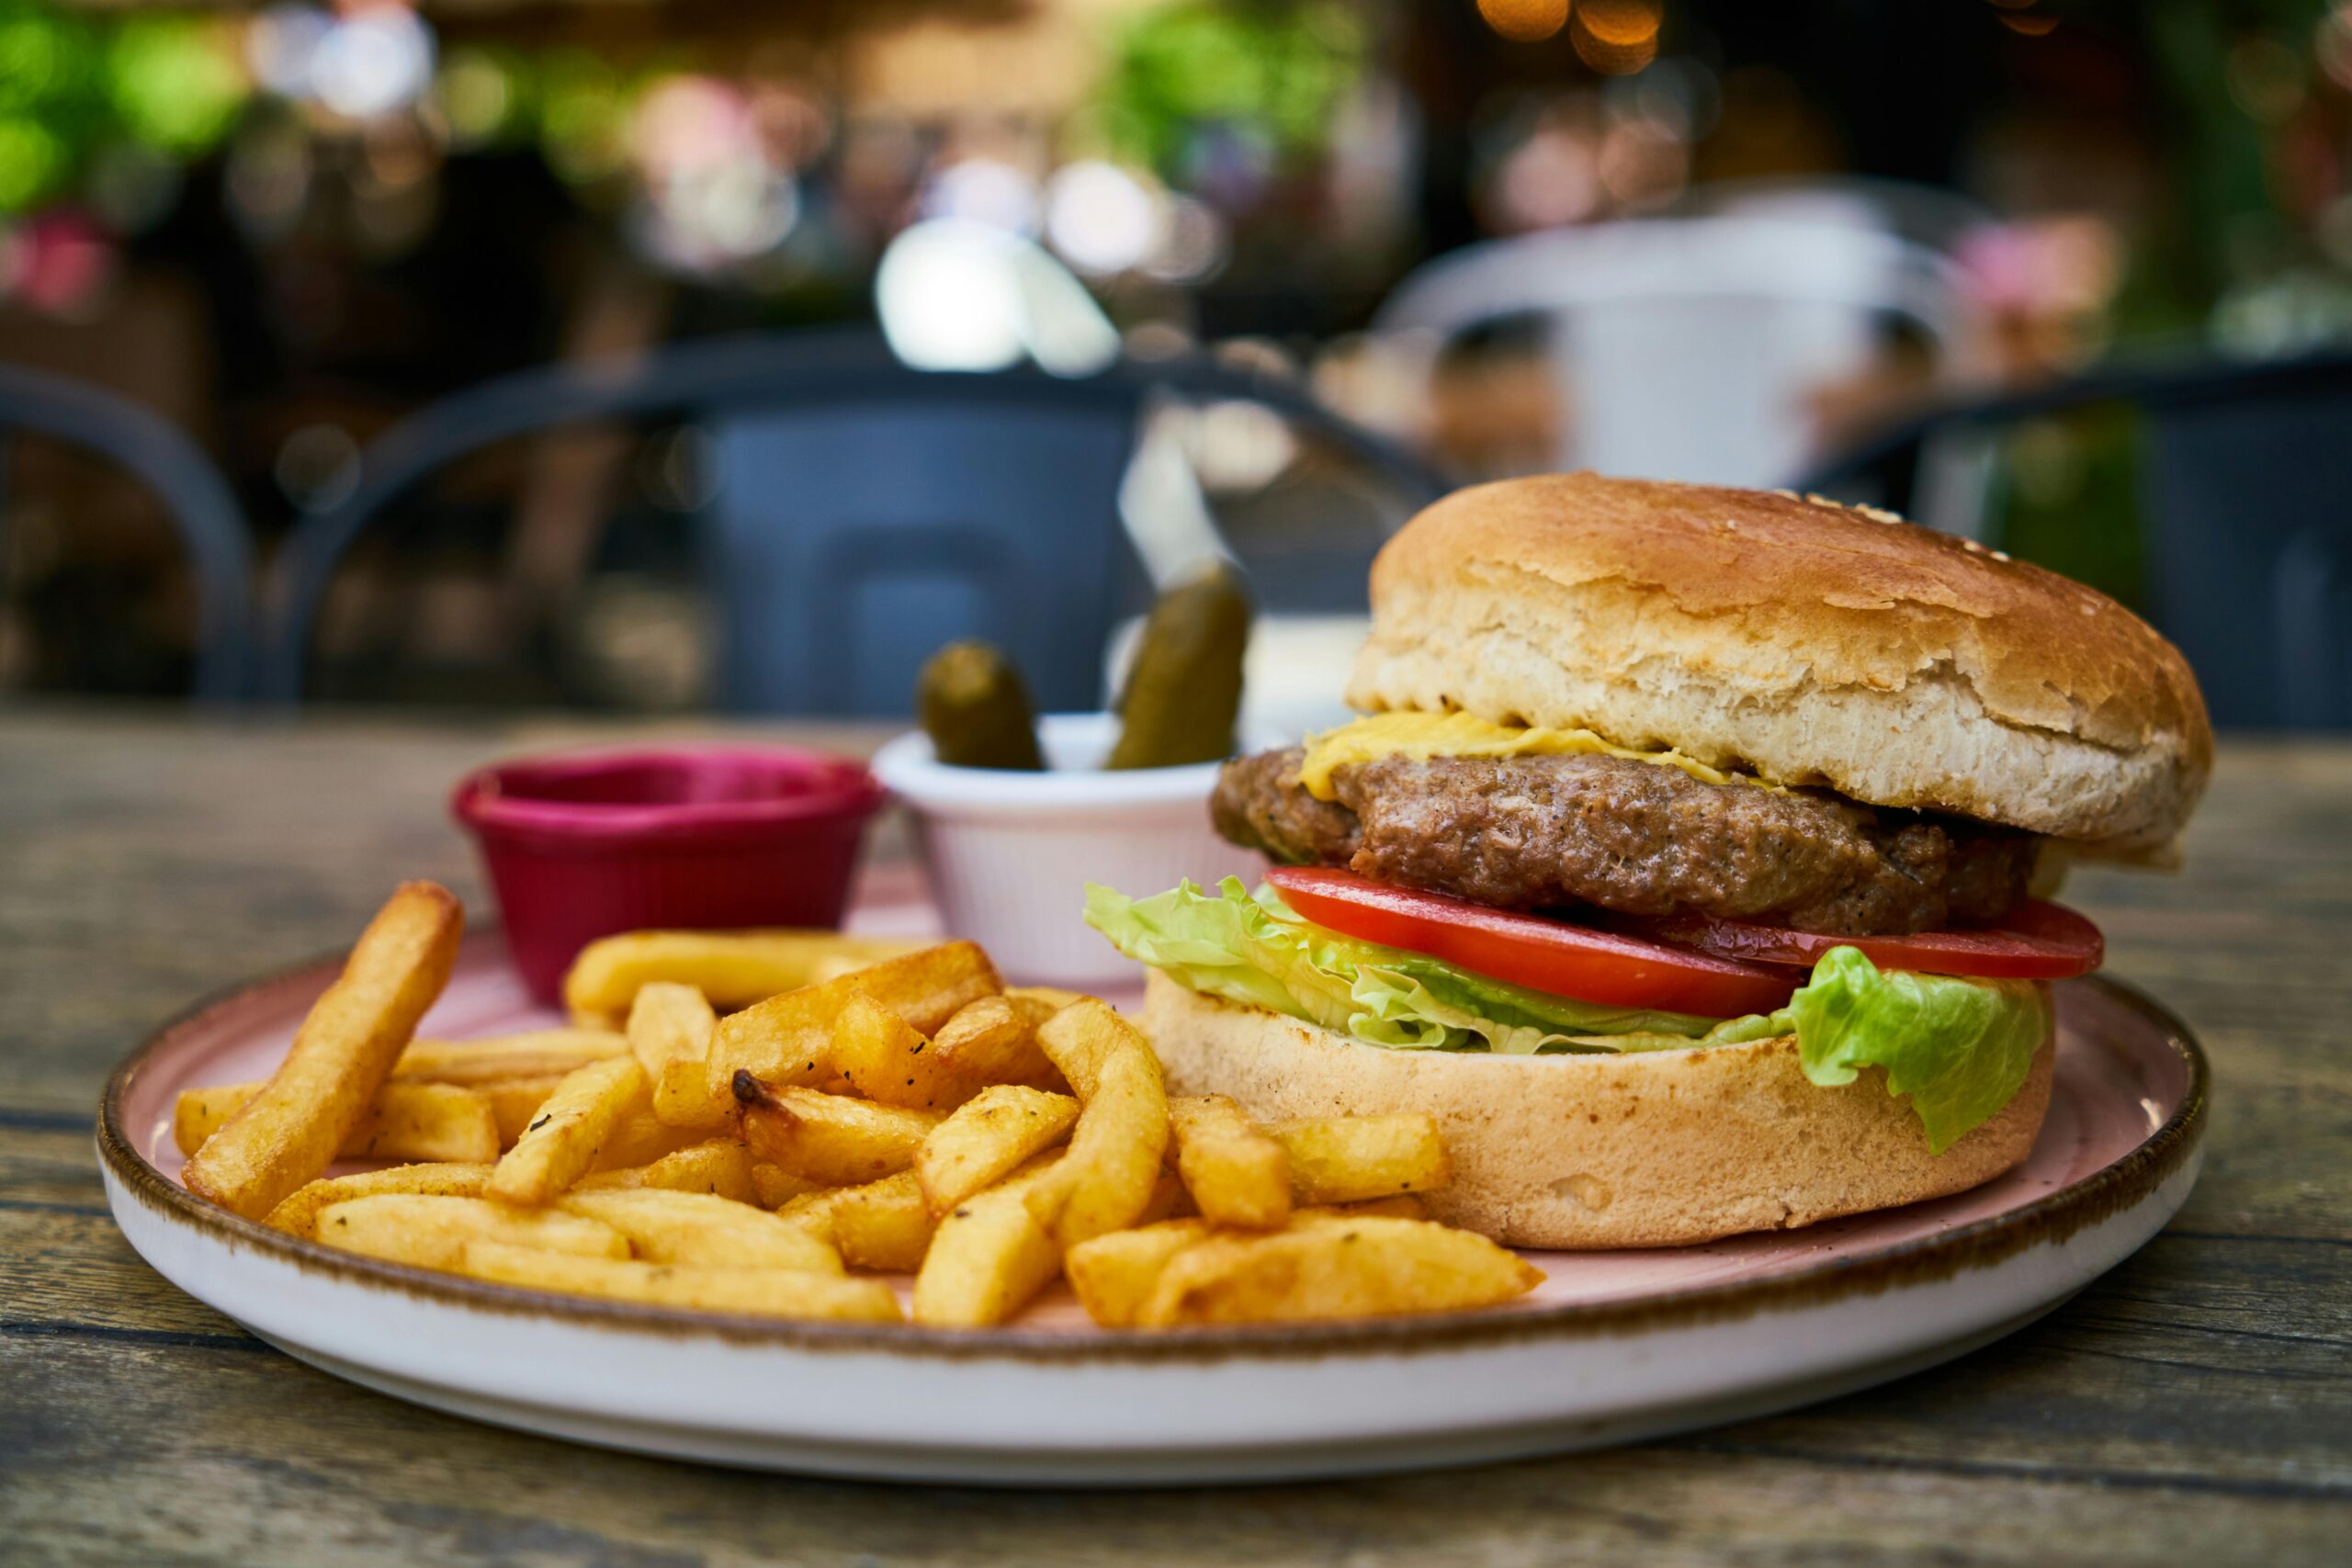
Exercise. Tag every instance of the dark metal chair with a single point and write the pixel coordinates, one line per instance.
(2244, 477)
(203, 511)
(866, 511)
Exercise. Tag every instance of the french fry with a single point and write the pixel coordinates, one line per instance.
(670, 1023)
(773, 1186)
(515, 1103)
(1344, 1265)
(432, 1232)
(720, 1166)
(785, 1040)
(682, 1097)
(1114, 1274)
(769, 1293)
(1236, 1175)
(994, 1040)
(733, 969)
(1169, 1202)
(1038, 1003)
(1346, 1159)
(987, 1138)
(290, 1132)
(702, 1231)
(297, 1215)
(884, 1224)
(889, 1061)
(813, 1212)
(562, 1141)
(1108, 1176)
(543, 1053)
(640, 1138)
(830, 1138)
(670, 1029)
(406, 1121)
(989, 1255)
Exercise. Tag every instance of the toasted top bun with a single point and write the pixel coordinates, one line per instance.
(1809, 642)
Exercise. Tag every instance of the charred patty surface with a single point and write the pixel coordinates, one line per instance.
(1544, 832)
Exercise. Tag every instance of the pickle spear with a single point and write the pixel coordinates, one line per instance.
(1183, 690)
(976, 710)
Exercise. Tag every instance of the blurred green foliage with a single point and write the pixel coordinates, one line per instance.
(1272, 74)
(71, 86)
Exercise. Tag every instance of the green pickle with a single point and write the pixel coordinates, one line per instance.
(976, 710)
(1183, 690)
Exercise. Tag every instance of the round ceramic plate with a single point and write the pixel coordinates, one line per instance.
(1612, 1347)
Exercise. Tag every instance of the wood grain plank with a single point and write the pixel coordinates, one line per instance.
(170, 1454)
(49, 1161)
(66, 1269)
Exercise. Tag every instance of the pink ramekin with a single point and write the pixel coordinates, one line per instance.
(699, 838)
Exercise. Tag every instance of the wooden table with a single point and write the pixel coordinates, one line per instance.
(2194, 1407)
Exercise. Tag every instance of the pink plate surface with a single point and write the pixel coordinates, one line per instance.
(2123, 1072)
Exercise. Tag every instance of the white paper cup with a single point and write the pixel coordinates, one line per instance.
(1010, 854)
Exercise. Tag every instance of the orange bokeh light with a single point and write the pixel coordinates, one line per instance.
(1618, 37)
(1525, 21)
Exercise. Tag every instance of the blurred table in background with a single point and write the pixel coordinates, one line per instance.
(2194, 1404)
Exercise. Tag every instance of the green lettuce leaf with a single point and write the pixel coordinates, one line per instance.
(1959, 1049)
(1257, 950)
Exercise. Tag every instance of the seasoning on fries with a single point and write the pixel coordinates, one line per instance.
(432, 1232)
(893, 1113)
(990, 1255)
(987, 1138)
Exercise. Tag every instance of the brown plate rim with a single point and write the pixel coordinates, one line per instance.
(1980, 1243)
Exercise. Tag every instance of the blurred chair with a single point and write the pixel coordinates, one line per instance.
(1686, 348)
(202, 510)
(866, 511)
(2244, 471)
(1925, 215)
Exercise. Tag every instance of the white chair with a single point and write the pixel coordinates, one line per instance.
(1686, 347)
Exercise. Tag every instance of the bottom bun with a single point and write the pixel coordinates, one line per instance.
(1653, 1148)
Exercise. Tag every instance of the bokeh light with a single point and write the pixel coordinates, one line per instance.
(1100, 217)
(282, 46)
(583, 118)
(1616, 37)
(478, 98)
(177, 82)
(984, 190)
(1525, 21)
(373, 61)
(2265, 79)
(713, 196)
(948, 297)
(2331, 45)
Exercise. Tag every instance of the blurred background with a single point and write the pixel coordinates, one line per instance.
(661, 356)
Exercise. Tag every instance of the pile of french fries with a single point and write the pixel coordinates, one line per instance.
(865, 1109)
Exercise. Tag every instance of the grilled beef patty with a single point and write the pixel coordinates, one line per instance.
(1543, 832)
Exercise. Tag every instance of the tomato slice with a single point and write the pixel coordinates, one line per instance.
(1564, 960)
(2038, 942)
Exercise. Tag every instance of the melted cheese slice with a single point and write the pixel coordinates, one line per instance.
(1420, 736)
